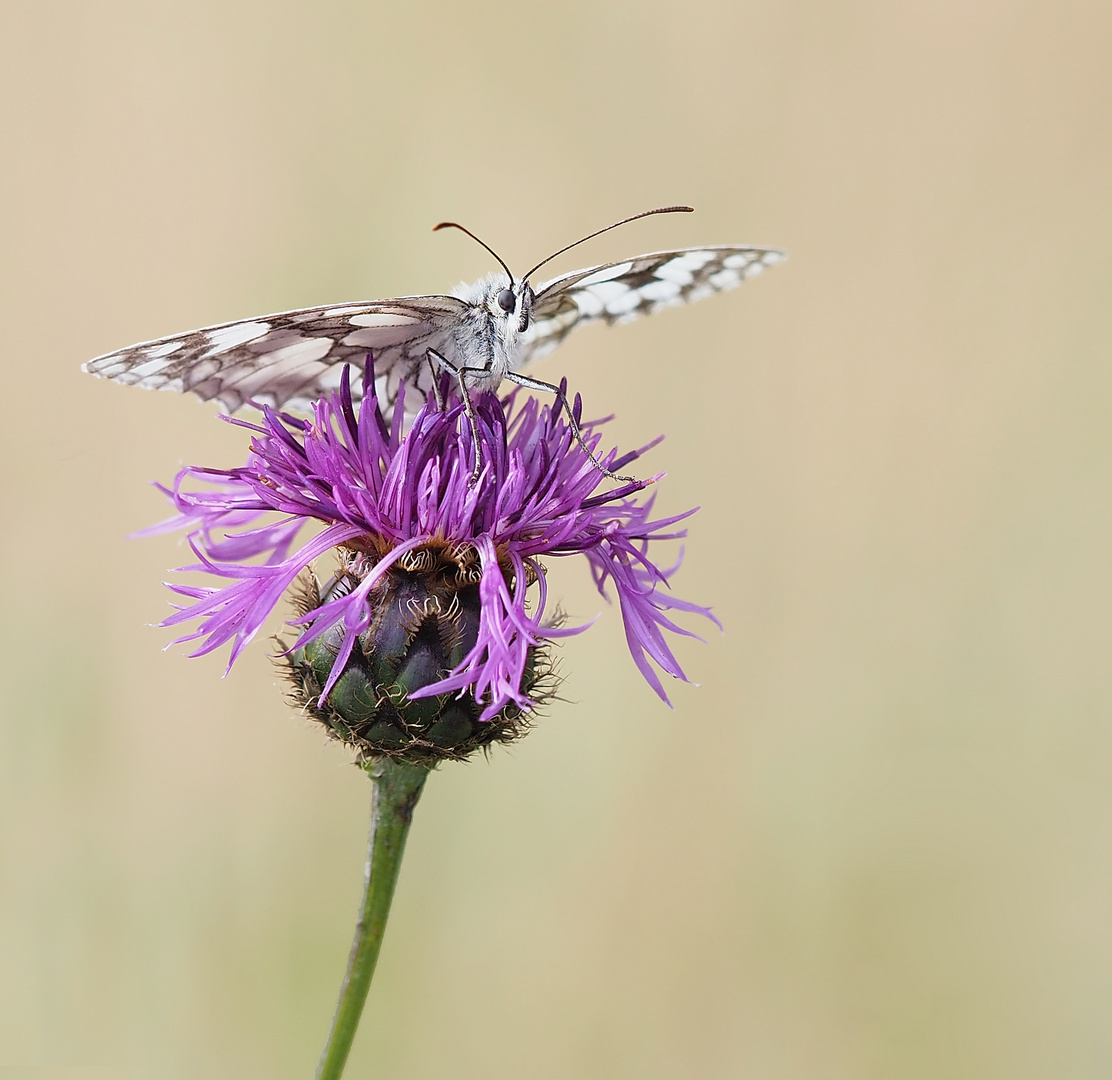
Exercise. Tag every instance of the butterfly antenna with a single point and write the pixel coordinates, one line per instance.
(624, 221)
(456, 225)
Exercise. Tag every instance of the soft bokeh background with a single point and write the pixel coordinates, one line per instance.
(877, 841)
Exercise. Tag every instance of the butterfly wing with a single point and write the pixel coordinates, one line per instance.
(621, 291)
(292, 358)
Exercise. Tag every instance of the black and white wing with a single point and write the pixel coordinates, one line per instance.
(292, 358)
(621, 291)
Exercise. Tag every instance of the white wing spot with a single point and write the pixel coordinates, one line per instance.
(198, 373)
(271, 343)
(306, 349)
(609, 291)
(606, 274)
(164, 349)
(676, 271)
(589, 305)
(150, 367)
(691, 261)
(113, 371)
(544, 348)
(623, 305)
(224, 338)
(378, 319)
(330, 378)
(725, 279)
(374, 337)
(657, 291)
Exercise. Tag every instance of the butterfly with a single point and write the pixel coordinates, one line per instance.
(480, 334)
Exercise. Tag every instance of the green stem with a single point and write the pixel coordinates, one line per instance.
(396, 787)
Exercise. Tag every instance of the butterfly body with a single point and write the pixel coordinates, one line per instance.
(492, 337)
(483, 333)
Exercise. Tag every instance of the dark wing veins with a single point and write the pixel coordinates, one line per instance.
(291, 358)
(621, 291)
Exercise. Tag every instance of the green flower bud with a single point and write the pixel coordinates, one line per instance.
(424, 620)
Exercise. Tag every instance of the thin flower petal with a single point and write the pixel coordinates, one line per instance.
(377, 489)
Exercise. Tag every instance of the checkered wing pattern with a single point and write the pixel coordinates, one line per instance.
(290, 359)
(621, 291)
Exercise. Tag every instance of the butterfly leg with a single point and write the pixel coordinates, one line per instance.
(434, 368)
(537, 384)
(468, 408)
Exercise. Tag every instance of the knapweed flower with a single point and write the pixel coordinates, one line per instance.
(428, 640)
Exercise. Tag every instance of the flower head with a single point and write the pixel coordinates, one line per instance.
(440, 598)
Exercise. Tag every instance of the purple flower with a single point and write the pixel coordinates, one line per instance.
(395, 505)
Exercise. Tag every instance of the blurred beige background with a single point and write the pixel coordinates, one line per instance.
(876, 842)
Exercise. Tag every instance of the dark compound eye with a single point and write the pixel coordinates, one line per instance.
(506, 300)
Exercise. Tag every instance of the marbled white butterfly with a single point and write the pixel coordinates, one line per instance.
(481, 334)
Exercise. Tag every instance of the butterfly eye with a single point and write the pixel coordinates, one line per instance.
(506, 300)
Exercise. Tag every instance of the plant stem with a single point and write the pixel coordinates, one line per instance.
(396, 787)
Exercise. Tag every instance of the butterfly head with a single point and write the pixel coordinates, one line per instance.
(509, 300)
(516, 299)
